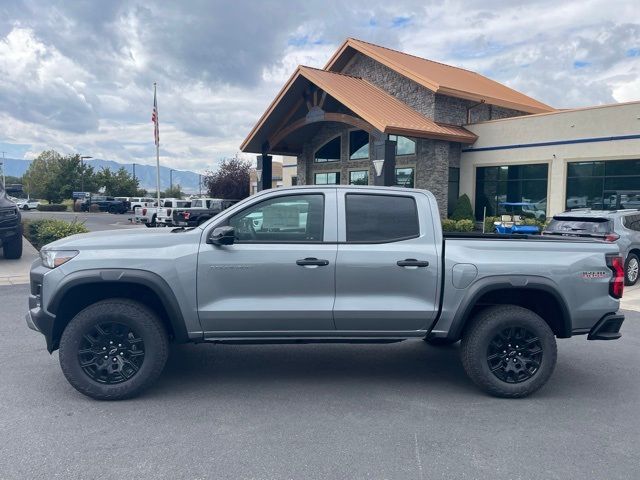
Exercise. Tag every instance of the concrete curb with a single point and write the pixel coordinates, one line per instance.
(16, 272)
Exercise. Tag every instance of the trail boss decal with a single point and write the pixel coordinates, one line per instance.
(594, 275)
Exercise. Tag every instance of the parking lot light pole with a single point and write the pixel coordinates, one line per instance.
(171, 179)
(82, 158)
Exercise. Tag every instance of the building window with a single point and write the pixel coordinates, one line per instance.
(358, 145)
(404, 145)
(380, 218)
(360, 177)
(329, 178)
(518, 189)
(599, 184)
(405, 177)
(294, 180)
(454, 189)
(329, 152)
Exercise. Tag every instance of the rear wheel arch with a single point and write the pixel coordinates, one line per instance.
(89, 287)
(540, 296)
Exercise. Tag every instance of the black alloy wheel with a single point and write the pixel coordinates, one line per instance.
(113, 349)
(111, 353)
(514, 354)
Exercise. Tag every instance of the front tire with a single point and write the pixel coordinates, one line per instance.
(508, 351)
(631, 270)
(113, 349)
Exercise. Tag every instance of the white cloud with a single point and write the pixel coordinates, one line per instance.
(78, 78)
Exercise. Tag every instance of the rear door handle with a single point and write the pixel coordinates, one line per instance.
(312, 261)
(412, 262)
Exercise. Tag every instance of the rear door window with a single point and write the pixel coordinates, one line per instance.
(380, 218)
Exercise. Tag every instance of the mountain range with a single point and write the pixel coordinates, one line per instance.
(146, 174)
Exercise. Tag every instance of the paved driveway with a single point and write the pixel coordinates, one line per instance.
(395, 411)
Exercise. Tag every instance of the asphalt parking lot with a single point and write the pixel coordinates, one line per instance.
(394, 411)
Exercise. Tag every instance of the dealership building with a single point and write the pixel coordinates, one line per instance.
(376, 116)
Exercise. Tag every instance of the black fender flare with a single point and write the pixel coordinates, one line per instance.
(507, 282)
(145, 278)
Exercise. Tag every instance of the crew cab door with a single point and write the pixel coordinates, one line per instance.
(279, 275)
(387, 264)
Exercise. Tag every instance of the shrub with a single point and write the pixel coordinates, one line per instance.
(449, 225)
(463, 210)
(44, 231)
(93, 208)
(465, 226)
(52, 207)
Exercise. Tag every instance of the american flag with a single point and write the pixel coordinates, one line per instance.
(154, 118)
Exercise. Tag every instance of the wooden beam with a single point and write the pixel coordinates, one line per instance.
(328, 117)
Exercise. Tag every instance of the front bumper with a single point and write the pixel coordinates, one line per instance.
(37, 318)
(10, 230)
(607, 328)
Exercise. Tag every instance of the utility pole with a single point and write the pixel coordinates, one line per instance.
(200, 183)
(4, 185)
(82, 158)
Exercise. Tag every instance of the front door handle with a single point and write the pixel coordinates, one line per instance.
(312, 261)
(412, 262)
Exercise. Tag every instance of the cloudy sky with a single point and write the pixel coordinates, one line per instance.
(77, 76)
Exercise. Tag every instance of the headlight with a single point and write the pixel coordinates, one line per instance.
(55, 258)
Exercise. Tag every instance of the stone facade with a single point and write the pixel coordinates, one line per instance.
(432, 159)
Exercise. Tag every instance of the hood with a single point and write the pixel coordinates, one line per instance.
(123, 239)
(4, 200)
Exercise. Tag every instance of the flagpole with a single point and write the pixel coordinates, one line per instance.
(157, 126)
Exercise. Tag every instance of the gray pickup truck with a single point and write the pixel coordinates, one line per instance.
(321, 264)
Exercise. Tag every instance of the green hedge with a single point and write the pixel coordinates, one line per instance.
(44, 231)
(449, 225)
(52, 207)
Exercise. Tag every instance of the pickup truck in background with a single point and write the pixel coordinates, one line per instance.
(164, 217)
(201, 210)
(149, 215)
(321, 264)
(105, 204)
(10, 227)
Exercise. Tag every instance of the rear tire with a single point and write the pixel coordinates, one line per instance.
(508, 351)
(152, 223)
(128, 334)
(12, 249)
(631, 270)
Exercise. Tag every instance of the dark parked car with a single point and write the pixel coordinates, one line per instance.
(10, 227)
(616, 226)
(105, 204)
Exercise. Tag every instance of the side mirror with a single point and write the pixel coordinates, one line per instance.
(222, 236)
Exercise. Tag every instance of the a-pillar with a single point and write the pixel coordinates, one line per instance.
(265, 166)
(384, 162)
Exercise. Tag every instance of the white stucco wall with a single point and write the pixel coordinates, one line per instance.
(595, 122)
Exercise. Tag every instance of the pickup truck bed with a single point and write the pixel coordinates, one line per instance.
(318, 264)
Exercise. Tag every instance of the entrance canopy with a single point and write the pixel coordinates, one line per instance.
(311, 97)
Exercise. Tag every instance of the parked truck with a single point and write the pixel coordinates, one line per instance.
(321, 264)
(10, 227)
(200, 210)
